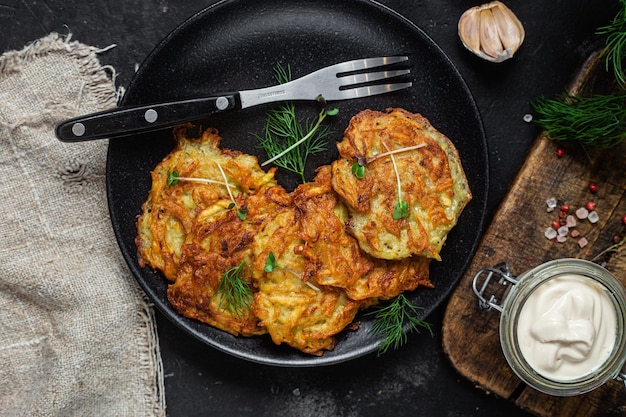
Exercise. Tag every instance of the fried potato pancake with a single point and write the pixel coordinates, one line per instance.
(334, 257)
(168, 213)
(298, 312)
(220, 240)
(337, 247)
(430, 179)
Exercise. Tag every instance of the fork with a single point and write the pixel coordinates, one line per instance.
(343, 81)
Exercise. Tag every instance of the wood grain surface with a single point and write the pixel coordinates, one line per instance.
(516, 235)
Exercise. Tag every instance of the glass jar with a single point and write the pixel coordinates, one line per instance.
(516, 293)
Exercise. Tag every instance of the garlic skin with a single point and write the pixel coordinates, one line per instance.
(491, 31)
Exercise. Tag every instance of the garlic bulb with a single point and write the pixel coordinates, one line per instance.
(491, 31)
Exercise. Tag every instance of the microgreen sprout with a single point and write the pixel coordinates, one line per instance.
(390, 319)
(241, 212)
(271, 263)
(173, 178)
(358, 170)
(235, 293)
(402, 207)
(401, 210)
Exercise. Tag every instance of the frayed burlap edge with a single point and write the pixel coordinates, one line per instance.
(100, 79)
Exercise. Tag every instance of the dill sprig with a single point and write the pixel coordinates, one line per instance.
(234, 292)
(598, 122)
(615, 46)
(390, 319)
(287, 142)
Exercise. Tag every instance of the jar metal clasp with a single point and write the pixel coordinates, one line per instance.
(484, 277)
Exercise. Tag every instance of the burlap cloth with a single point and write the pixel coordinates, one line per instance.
(77, 338)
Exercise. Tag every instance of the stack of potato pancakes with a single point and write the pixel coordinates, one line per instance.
(335, 240)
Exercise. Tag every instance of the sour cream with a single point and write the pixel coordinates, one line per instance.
(567, 327)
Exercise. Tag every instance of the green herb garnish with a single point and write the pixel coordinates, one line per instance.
(287, 142)
(173, 178)
(271, 263)
(401, 211)
(402, 207)
(390, 319)
(598, 122)
(615, 47)
(234, 292)
(358, 170)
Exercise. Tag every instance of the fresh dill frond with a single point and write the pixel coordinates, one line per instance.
(598, 122)
(283, 141)
(390, 319)
(234, 292)
(287, 141)
(615, 47)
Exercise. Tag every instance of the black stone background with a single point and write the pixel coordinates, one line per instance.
(417, 380)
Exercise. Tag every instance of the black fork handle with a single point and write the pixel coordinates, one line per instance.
(127, 121)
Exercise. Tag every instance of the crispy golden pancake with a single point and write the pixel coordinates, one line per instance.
(430, 179)
(194, 292)
(337, 246)
(169, 211)
(295, 310)
(218, 241)
(334, 257)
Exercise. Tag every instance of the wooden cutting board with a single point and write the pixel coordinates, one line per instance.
(516, 235)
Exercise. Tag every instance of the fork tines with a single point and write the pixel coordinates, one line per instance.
(352, 84)
(367, 63)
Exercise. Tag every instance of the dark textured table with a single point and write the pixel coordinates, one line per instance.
(416, 380)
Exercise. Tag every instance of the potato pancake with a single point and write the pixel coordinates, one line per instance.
(219, 241)
(337, 249)
(334, 257)
(296, 310)
(420, 166)
(170, 209)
